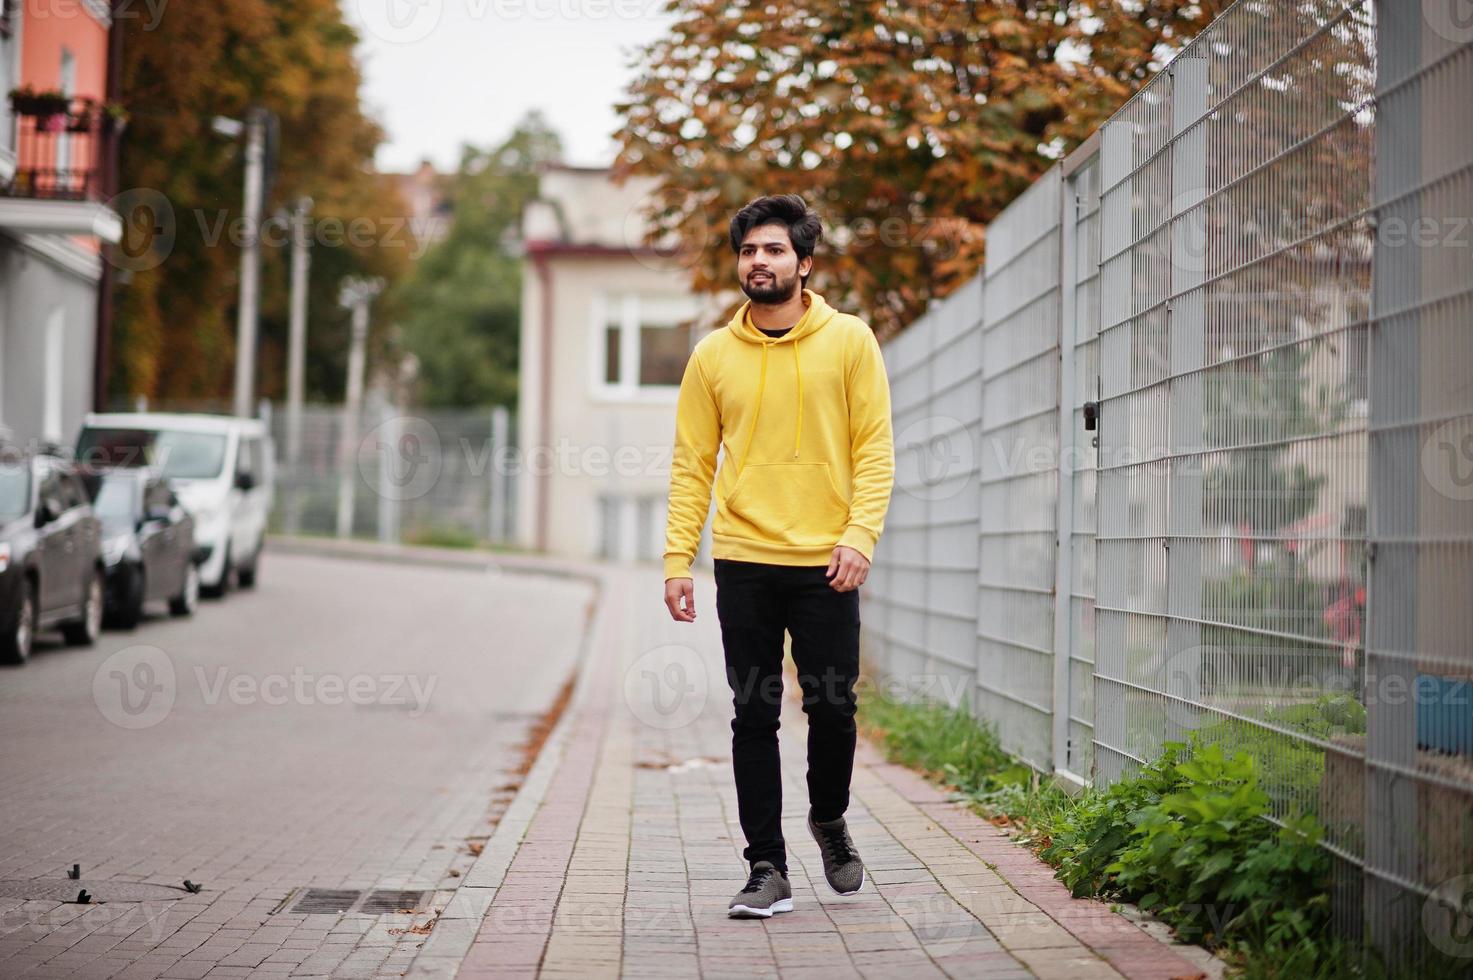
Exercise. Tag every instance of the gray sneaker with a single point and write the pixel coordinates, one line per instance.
(841, 864)
(767, 891)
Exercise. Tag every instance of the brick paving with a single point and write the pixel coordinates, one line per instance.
(627, 849)
(257, 799)
(616, 858)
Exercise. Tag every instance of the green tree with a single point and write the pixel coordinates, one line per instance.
(175, 327)
(460, 309)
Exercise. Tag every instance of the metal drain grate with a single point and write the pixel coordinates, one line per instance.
(389, 900)
(318, 901)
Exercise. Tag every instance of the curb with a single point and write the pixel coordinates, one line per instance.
(465, 559)
(460, 921)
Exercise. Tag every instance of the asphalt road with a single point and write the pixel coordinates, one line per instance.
(346, 724)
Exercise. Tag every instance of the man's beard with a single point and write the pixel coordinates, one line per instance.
(771, 292)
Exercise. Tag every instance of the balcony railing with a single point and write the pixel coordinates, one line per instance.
(63, 152)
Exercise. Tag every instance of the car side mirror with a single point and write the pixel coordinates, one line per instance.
(157, 514)
(47, 511)
(244, 481)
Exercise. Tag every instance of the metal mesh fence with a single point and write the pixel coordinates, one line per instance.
(1223, 448)
(415, 476)
(426, 476)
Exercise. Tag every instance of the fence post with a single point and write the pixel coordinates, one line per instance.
(1068, 455)
(1112, 502)
(499, 475)
(1186, 326)
(388, 446)
(1408, 360)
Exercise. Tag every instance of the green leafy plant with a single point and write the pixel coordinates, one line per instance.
(1188, 837)
(1087, 839)
(1204, 857)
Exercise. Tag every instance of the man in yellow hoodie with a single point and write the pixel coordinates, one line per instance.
(797, 395)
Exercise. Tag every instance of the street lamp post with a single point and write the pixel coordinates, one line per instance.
(254, 128)
(296, 358)
(356, 295)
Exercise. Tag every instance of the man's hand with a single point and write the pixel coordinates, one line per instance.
(677, 589)
(847, 569)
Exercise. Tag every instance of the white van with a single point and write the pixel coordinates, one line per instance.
(222, 468)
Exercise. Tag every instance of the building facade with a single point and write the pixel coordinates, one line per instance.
(58, 146)
(607, 327)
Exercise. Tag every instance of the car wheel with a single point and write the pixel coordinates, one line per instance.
(85, 630)
(15, 645)
(246, 574)
(220, 588)
(130, 611)
(185, 602)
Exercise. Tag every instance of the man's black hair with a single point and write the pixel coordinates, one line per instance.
(805, 230)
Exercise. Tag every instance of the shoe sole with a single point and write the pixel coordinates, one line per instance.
(748, 912)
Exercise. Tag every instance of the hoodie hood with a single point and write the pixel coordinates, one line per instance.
(817, 316)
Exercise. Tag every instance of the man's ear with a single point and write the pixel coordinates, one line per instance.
(802, 272)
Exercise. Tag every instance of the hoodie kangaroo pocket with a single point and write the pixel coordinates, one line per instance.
(786, 503)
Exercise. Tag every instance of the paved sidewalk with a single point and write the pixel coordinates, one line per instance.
(623, 848)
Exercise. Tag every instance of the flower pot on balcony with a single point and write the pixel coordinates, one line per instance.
(42, 105)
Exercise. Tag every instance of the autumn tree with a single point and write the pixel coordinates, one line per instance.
(461, 306)
(909, 124)
(175, 327)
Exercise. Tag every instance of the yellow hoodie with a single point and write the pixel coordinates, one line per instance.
(809, 455)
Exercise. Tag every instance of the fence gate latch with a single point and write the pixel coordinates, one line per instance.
(1091, 416)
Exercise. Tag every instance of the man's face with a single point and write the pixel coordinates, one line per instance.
(767, 266)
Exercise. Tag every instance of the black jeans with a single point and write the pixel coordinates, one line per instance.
(755, 603)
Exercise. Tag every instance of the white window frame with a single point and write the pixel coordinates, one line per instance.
(628, 309)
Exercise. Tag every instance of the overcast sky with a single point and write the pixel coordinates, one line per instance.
(439, 73)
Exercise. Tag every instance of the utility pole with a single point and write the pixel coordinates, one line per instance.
(296, 359)
(250, 263)
(356, 295)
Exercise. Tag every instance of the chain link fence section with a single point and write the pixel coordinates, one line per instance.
(1223, 390)
(421, 476)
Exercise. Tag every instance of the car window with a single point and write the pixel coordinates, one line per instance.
(15, 487)
(179, 454)
(244, 458)
(73, 493)
(116, 499)
(51, 489)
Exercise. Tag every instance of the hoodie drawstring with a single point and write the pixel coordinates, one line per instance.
(798, 367)
(761, 387)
